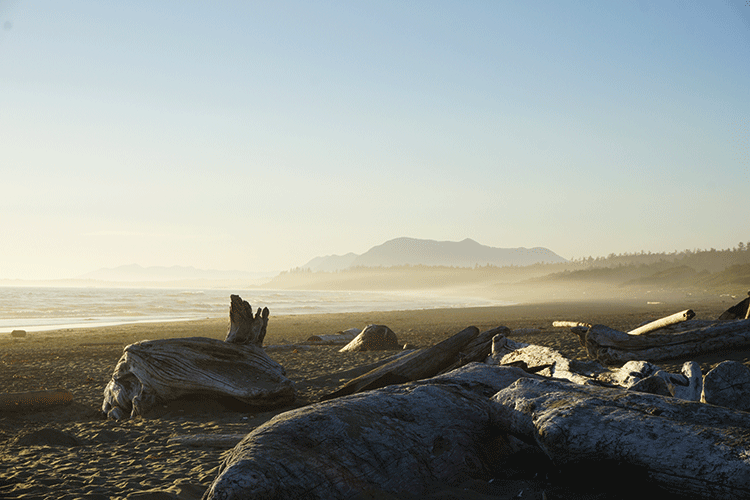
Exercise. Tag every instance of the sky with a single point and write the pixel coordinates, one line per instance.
(255, 136)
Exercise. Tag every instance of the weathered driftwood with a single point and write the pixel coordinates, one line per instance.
(570, 324)
(663, 322)
(741, 310)
(373, 338)
(34, 400)
(477, 349)
(18, 333)
(728, 385)
(614, 347)
(244, 328)
(420, 364)
(690, 448)
(635, 375)
(396, 439)
(155, 371)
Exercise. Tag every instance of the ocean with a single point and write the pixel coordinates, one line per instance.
(50, 308)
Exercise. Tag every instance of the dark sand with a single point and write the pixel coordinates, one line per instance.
(136, 459)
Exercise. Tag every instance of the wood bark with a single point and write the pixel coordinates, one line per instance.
(614, 347)
(34, 400)
(663, 322)
(397, 439)
(244, 328)
(689, 448)
(420, 364)
(155, 371)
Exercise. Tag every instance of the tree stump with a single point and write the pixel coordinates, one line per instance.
(243, 327)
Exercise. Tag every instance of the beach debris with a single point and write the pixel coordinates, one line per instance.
(635, 375)
(728, 385)
(396, 439)
(373, 338)
(34, 400)
(585, 425)
(156, 371)
(419, 364)
(670, 320)
(570, 324)
(741, 310)
(18, 333)
(526, 331)
(244, 328)
(611, 346)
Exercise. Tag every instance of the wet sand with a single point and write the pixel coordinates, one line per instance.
(70, 451)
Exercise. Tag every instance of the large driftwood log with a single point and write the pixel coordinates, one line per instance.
(658, 324)
(690, 448)
(244, 328)
(396, 439)
(614, 347)
(155, 371)
(420, 364)
(741, 310)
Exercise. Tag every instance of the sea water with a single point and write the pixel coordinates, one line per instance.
(50, 308)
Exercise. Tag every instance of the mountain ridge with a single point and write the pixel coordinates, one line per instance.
(413, 251)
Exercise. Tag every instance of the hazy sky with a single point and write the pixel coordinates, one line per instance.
(258, 135)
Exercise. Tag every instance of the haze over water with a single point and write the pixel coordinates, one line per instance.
(36, 309)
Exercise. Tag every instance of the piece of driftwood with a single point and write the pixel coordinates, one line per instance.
(477, 349)
(663, 322)
(398, 439)
(728, 385)
(570, 324)
(244, 328)
(18, 333)
(690, 448)
(615, 347)
(741, 310)
(420, 364)
(155, 371)
(634, 375)
(373, 338)
(34, 400)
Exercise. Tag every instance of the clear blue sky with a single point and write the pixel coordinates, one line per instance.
(258, 135)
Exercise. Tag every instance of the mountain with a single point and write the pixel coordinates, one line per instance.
(412, 251)
(134, 272)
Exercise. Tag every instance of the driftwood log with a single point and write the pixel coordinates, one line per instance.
(244, 328)
(155, 371)
(690, 448)
(373, 338)
(615, 347)
(395, 439)
(663, 322)
(34, 400)
(419, 364)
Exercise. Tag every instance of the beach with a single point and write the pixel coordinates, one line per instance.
(70, 451)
